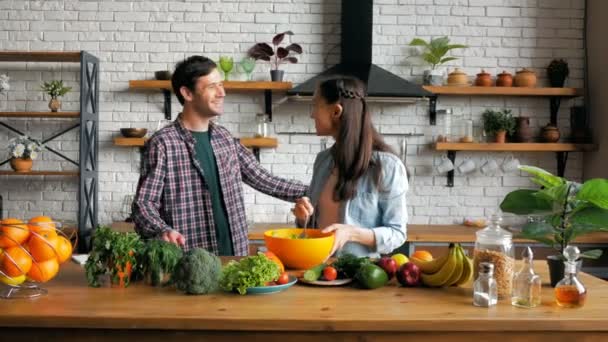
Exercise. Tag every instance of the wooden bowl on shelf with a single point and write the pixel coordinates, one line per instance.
(133, 132)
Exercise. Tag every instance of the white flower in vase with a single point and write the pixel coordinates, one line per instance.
(18, 151)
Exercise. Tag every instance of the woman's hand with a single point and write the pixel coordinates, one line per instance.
(303, 210)
(346, 233)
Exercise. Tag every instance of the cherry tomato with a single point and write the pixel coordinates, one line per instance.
(283, 279)
(330, 273)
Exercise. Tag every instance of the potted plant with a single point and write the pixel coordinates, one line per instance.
(276, 54)
(114, 254)
(498, 123)
(569, 210)
(4, 83)
(557, 72)
(158, 259)
(434, 54)
(23, 150)
(55, 89)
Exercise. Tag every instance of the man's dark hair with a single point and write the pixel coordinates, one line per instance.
(187, 73)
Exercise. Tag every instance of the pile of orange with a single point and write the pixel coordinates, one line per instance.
(33, 250)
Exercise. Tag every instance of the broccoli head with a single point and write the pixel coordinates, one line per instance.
(197, 272)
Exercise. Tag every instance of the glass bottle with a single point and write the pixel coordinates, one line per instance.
(484, 287)
(495, 245)
(262, 125)
(466, 129)
(570, 292)
(526, 283)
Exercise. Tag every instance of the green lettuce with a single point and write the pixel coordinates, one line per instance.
(251, 271)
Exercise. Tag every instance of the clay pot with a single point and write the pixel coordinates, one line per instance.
(55, 104)
(501, 137)
(483, 79)
(550, 133)
(523, 133)
(525, 78)
(22, 164)
(458, 78)
(504, 79)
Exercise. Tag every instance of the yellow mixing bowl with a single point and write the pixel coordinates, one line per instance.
(297, 253)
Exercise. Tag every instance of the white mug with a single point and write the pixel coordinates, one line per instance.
(466, 166)
(510, 164)
(446, 165)
(489, 167)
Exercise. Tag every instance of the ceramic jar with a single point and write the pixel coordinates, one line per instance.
(458, 78)
(523, 132)
(484, 79)
(504, 79)
(525, 78)
(550, 133)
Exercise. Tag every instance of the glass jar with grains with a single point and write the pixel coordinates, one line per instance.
(495, 245)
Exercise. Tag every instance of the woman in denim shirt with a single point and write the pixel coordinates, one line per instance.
(358, 185)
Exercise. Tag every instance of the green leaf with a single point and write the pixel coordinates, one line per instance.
(538, 231)
(418, 42)
(556, 194)
(591, 217)
(595, 191)
(447, 59)
(523, 202)
(542, 177)
(591, 254)
(457, 46)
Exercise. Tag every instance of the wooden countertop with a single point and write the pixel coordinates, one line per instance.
(71, 304)
(415, 232)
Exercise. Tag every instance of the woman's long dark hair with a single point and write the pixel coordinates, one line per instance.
(357, 138)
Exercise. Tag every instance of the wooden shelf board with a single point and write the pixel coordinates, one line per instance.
(521, 147)
(260, 142)
(504, 91)
(228, 85)
(39, 173)
(40, 115)
(39, 56)
(122, 141)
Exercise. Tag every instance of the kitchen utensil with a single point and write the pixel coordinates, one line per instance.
(133, 132)
(299, 254)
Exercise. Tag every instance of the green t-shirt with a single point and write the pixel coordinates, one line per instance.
(206, 159)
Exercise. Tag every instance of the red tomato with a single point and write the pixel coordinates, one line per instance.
(283, 279)
(330, 273)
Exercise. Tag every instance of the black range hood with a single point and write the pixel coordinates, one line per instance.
(356, 59)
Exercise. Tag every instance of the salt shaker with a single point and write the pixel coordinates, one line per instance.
(484, 288)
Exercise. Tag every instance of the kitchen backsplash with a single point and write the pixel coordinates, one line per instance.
(135, 38)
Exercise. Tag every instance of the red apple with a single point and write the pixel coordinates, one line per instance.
(389, 266)
(409, 275)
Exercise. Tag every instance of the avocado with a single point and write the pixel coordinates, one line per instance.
(371, 276)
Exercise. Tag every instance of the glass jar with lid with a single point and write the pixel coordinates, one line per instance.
(261, 120)
(495, 245)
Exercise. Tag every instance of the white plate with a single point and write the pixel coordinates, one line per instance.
(337, 282)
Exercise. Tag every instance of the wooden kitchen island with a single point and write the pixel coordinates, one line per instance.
(71, 311)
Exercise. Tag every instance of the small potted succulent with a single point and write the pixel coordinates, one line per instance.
(158, 259)
(4, 83)
(434, 54)
(567, 210)
(55, 89)
(498, 123)
(115, 254)
(23, 150)
(557, 72)
(276, 54)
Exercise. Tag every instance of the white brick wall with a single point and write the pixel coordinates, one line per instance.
(135, 38)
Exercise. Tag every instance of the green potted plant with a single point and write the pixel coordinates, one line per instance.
(557, 72)
(434, 54)
(569, 210)
(498, 123)
(23, 150)
(158, 259)
(276, 54)
(114, 254)
(55, 89)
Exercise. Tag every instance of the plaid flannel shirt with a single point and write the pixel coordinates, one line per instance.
(172, 194)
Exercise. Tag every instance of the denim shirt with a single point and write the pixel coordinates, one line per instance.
(381, 209)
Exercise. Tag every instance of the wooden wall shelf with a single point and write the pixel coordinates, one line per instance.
(515, 147)
(121, 141)
(40, 115)
(39, 56)
(39, 173)
(266, 87)
(504, 91)
(260, 142)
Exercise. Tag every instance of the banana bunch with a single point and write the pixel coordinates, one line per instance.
(454, 268)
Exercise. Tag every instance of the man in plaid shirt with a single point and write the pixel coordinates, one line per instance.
(190, 191)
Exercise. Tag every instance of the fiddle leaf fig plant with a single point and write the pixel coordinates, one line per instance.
(569, 209)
